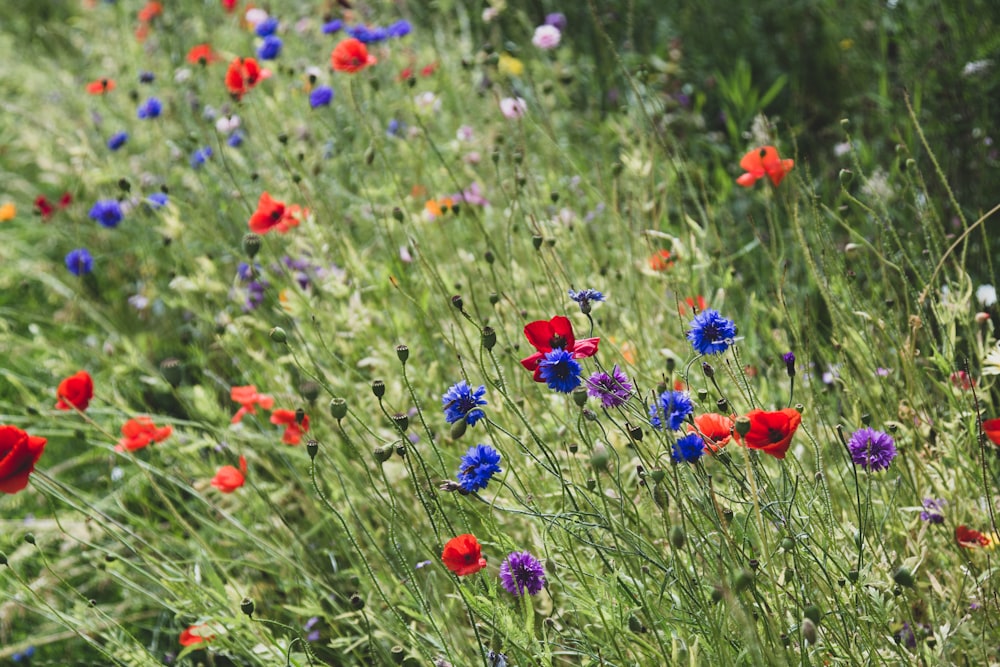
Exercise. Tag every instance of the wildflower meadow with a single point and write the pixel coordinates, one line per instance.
(499, 332)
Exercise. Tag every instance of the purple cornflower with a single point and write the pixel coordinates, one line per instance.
(560, 371)
(584, 297)
(270, 48)
(612, 388)
(235, 139)
(672, 405)
(521, 572)
(151, 108)
(557, 19)
(461, 402)
(321, 97)
(199, 156)
(108, 212)
(689, 449)
(789, 359)
(711, 333)
(116, 141)
(932, 509)
(333, 26)
(872, 450)
(477, 468)
(313, 635)
(79, 262)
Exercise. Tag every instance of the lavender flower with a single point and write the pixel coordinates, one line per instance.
(872, 450)
(932, 509)
(613, 389)
(584, 297)
(521, 572)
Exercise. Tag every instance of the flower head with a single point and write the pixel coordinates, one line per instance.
(710, 332)
(158, 199)
(248, 397)
(201, 54)
(660, 260)
(584, 297)
(351, 55)
(19, 452)
(274, 214)
(463, 555)
(199, 156)
(243, 74)
(75, 392)
(195, 634)
(546, 37)
(687, 449)
(461, 402)
(230, 478)
(101, 86)
(991, 427)
(763, 161)
(672, 405)
(872, 450)
(521, 573)
(270, 48)
(151, 108)
(971, 539)
(116, 141)
(321, 97)
(556, 333)
(771, 432)
(293, 429)
(108, 212)
(513, 108)
(267, 27)
(932, 510)
(612, 388)
(7, 211)
(79, 262)
(140, 432)
(715, 430)
(559, 370)
(478, 466)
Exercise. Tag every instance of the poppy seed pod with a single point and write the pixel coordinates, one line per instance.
(401, 421)
(489, 338)
(742, 426)
(338, 408)
(300, 416)
(357, 602)
(172, 371)
(378, 388)
(251, 244)
(312, 448)
(580, 396)
(247, 607)
(402, 353)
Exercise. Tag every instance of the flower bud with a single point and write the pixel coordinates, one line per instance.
(357, 602)
(660, 496)
(398, 654)
(599, 457)
(812, 613)
(702, 394)
(457, 302)
(671, 364)
(401, 420)
(309, 391)
(677, 536)
(717, 593)
(251, 244)
(382, 454)
(573, 447)
(402, 353)
(246, 606)
(787, 544)
(278, 335)
(3, 558)
(846, 176)
(635, 625)
(489, 338)
(809, 631)
(378, 388)
(580, 396)
(742, 426)
(903, 576)
(397, 214)
(707, 369)
(300, 416)
(554, 196)
(789, 359)
(338, 408)
(400, 450)
(591, 484)
(458, 429)
(589, 414)
(742, 581)
(173, 371)
(29, 538)
(312, 448)
(536, 241)
(494, 298)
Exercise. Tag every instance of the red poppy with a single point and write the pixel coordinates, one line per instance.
(19, 452)
(229, 5)
(101, 86)
(555, 333)
(962, 380)
(293, 429)
(150, 11)
(141, 432)
(428, 70)
(201, 54)
(248, 397)
(351, 56)
(230, 478)
(970, 539)
(463, 555)
(660, 260)
(696, 306)
(192, 635)
(771, 432)
(762, 162)
(75, 392)
(274, 214)
(714, 429)
(992, 429)
(43, 207)
(406, 74)
(243, 74)
(65, 200)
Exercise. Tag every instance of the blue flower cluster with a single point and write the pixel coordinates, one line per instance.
(371, 35)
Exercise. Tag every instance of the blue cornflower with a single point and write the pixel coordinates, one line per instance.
(560, 371)
(108, 212)
(199, 156)
(689, 449)
(612, 388)
(711, 333)
(321, 97)
(270, 48)
(672, 405)
(367, 35)
(146, 77)
(461, 402)
(116, 141)
(584, 297)
(235, 139)
(79, 262)
(151, 108)
(521, 573)
(158, 199)
(400, 28)
(395, 128)
(872, 450)
(478, 466)
(267, 27)
(333, 26)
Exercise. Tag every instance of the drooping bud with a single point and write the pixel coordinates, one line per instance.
(458, 429)
(29, 538)
(457, 302)
(251, 244)
(903, 576)
(278, 335)
(400, 450)
(382, 454)
(338, 408)
(707, 369)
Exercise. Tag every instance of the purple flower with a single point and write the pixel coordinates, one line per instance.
(613, 389)
(108, 212)
(270, 48)
(584, 297)
(400, 28)
(789, 359)
(79, 262)
(116, 141)
(872, 450)
(151, 108)
(146, 77)
(267, 27)
(158, 199)
(235, 139)
(521, 572)
(199, 156)
(321, 97)
(932, 510)
(557, 19)
(333, 26)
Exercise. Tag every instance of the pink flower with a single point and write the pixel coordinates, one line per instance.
(513, 107)
(546, 37)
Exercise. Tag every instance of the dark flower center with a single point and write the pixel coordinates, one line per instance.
(557, 341)
(775, 435)
(711, 333)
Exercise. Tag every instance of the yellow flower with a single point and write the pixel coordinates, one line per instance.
(846, 43)
(7, 212)
(508, 65)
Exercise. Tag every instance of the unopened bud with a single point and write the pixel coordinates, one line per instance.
(707, 369)
(809, 630)
(599, 457)
(458, 429)
(312, 448)
(246, 606)
(589, 414)
(635, 625)
(742, 426)
(400, 450)
(300, 416)
(309, 391)
(278, 335)
(457, 302)
(789, 359)
(742, 581)
(536, 241)
(173, 371)
(29, 538)
(660, 496)
(251, 244)
(489, 338)
(378, 388)
(402, 353)
(357, 602)
(338, 408)
(580, 396)
(903, 576)
(812, 613)
(846, 176)
(397, 214)
(677, 536)
(382, 454)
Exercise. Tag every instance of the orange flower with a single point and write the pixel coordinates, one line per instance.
(463, 555)
(229, 478)
(75, 392)
(763, 161)
(436, 209)
(248, 397)
(7, 211)
(970, 539)
(140, 432)
(274, 214)
(150, 11)
(351, 56)
(771, 432)
(992, 429)
(660, 260)
(293, 430)
(193, 635)
(714, 429)
(100, 86)
(201, 54)
(243, 74)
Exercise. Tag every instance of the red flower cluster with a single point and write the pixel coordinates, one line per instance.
(19, 452)
(75, 392)
(546, 336)
(463, 555)
(243, 74)
(101, 86)
(193, 635)
(45, 208)
(351, 56)
(276, 215)
(762, 162)
(293, 429)
(201, 54)
(141, 432)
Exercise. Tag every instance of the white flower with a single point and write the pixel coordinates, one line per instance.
(986, 295)
(991, 364)
(427, 101)
(465, 133)
(255, 16)
(490, 13)
(513, 107)
(546, 37)
(227, 124)
(975, 67)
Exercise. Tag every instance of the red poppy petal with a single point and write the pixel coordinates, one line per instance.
(539, 334)
(585, 347)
